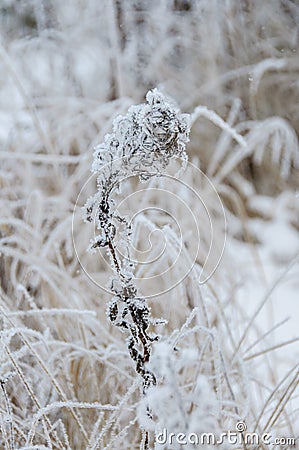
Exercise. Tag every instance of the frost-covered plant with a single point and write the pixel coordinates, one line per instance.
(142, 144)
(190, 411)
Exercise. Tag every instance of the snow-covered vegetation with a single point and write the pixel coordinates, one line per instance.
(188, 323)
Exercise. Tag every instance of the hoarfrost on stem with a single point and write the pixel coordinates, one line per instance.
(142, 144)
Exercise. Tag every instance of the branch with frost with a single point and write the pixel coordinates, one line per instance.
(142, 144)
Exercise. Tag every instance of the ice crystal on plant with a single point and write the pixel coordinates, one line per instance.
(142, 144)
(143, 141)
